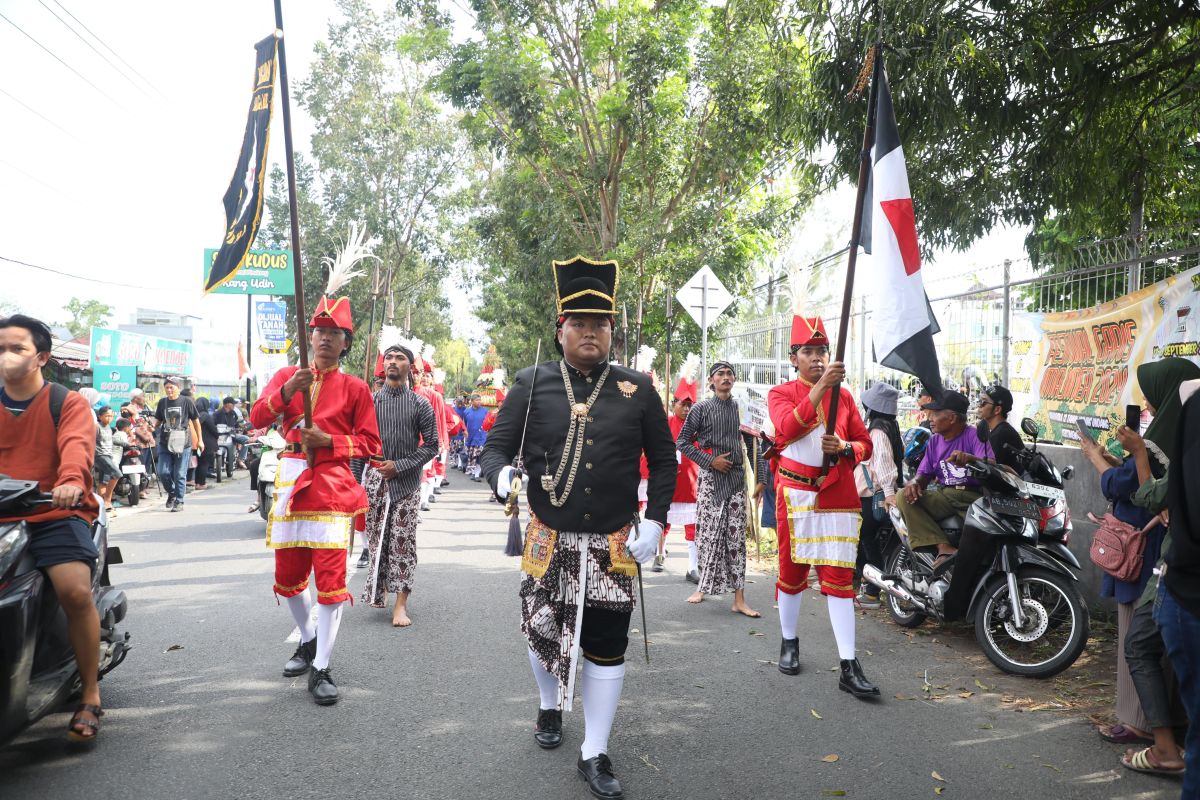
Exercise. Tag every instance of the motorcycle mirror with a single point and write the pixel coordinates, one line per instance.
(1031, 428)
(1068, 471)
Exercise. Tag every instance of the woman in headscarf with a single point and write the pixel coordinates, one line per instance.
(1119, 481)
(208, 433)
(878, 474)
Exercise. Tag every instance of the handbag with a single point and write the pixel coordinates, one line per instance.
(176, 441)
(1117, 547)
(878, 511)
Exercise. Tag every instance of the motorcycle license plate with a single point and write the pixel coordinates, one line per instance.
(1049, 492)
(133, 469)
(1018, 506)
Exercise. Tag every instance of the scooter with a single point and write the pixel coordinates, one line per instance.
(272, 445)
(37, 664)
(225, 454)
(1030, 617)
(129, 486)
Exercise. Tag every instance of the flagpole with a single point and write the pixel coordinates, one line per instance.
(298, 274)
(864, 171)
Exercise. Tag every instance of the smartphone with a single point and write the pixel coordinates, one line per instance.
(1084, 431)
(1133, 418)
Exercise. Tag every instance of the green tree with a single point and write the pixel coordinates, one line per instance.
(85, 314)
(1076, 118)
(384, 154)
(651, 133)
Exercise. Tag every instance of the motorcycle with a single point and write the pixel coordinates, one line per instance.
(272, 445)
(129, 486)
(1012, 574)
(226, 455)
(38, 672)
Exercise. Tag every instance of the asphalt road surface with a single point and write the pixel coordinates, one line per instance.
(445, 709)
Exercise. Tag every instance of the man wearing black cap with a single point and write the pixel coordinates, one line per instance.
(588, 424)
(953, 444)
(995, 404)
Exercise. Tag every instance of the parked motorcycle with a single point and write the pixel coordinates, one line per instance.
(226, 455)
(129, 487)
(272, 445)
(1012, 573)
(38, 672)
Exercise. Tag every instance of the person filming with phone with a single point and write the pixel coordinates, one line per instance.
(1159, 382)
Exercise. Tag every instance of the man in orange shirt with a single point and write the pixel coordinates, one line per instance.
(60, 537)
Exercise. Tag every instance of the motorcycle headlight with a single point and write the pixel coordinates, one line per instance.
(12, 544)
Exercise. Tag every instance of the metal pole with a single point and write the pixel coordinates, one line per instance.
(249, 343)
(301, 339)
(703, 332)
(1005, 331)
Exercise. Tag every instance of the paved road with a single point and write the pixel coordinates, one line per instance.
(445, 709)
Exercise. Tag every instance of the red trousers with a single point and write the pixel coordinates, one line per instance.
(689, 532)
(793, 577)
(293, 565)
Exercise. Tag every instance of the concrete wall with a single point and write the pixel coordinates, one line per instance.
(1083, 495)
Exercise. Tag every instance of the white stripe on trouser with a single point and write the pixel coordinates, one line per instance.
(601, 689)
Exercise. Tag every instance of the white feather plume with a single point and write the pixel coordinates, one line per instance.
(797, 289)
(439, 375)
(644, 360)
(417, 346)
(498, 375)
(391, 336)
(689, 368)
(341, 267)
(427, 352)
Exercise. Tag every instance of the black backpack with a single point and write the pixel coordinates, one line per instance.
(58, 396)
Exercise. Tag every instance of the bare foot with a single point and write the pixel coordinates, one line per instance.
(696, 598)
(742, 608)
(400, 618)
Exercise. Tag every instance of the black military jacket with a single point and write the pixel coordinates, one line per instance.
(626, 419)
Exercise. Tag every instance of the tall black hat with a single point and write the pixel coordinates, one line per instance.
(586, 287)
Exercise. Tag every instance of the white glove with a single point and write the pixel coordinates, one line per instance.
(504, 482)
(643, 544)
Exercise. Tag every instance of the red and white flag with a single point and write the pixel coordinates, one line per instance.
(902, 320)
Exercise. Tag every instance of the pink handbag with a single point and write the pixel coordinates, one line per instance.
(1117, 547)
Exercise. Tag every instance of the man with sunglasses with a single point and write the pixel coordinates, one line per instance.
(995, 404)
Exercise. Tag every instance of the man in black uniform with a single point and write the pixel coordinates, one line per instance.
(588, 423)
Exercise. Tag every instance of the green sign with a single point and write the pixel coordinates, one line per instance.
(117, 382)
(263, 272)
(112, 349)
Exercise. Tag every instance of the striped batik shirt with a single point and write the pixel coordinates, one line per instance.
(714, 425)
(409, 435)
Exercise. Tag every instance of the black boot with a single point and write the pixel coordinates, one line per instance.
(322, 688)
(301, 660)
(601, 782)
(853, 680)
(547, 732)
(364, 560)
(789, 656)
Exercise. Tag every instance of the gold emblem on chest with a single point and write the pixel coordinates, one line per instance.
(579, 410)
(627, 388)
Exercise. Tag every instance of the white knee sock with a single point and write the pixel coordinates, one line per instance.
(301, 607)
(600, 688)
(329, 619)
(693, 560)
(547, 683)
(789, 613)
(841, 617)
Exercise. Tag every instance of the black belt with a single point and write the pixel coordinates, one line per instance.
(293, 447)
(798, 478)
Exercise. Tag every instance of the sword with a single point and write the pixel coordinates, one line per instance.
(511, 503)
(642, 592)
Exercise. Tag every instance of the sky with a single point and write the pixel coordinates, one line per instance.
(117, 179)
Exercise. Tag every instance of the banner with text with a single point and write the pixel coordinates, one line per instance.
(116, 382)
(271, 341)
(112, 348)
(265, 272)
(1083, 363)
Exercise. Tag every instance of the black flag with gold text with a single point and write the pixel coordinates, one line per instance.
(244, 197)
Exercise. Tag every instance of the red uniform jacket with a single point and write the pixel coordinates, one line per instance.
(440, 416)
(686, 475)
(794, 417)
(343, 408)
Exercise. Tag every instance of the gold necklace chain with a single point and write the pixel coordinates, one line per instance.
(575, 434)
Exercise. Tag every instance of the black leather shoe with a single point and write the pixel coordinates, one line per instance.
(601, 782)
(789, 656)
(548, 730)
(692, 577)
(853, 680)
(301, 660)
(364, 560)
(322, 688)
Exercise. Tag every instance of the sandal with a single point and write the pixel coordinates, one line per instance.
(1121, 734)
(1141, 761)
(89, 724)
